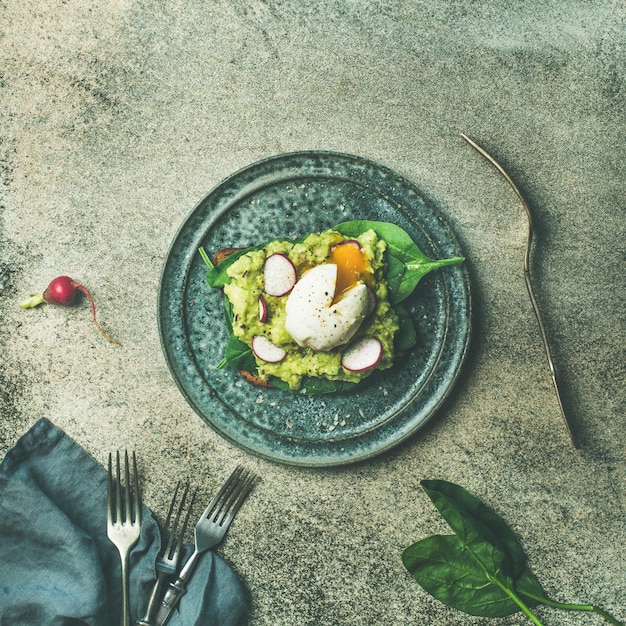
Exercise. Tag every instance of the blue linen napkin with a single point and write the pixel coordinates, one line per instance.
(58, 567)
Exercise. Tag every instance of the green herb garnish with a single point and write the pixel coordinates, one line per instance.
(481, 569)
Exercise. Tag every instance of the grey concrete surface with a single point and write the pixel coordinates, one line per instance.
(117, 117)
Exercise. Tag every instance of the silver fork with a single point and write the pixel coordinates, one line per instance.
(167, 561)
(123, 520)
(209, 532)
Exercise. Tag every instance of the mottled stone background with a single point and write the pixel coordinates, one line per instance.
(117, 117)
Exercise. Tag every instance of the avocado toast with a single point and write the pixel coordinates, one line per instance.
(322, 313)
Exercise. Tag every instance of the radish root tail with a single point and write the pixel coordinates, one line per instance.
(93, 315)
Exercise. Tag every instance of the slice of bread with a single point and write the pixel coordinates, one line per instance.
(220, 255)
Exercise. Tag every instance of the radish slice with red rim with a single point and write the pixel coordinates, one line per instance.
(262, 309)
(362, 355)
(348, 242)
(266, 350)
(280, 275)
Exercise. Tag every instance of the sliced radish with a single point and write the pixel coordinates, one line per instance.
(362, 355)
(266, 350)
(348, 242)
(280, 275)
(262, 309)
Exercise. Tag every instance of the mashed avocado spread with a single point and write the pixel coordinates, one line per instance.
(246, 286)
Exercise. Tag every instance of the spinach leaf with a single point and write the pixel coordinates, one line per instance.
(445, 568)
(407, 264)
(399, 242)
(481, 569)
(238, 355)
(406, 337)
(396, 282)
(205, 258)
(315, 386)
(471, 520)
(217, 276)
(528, 585)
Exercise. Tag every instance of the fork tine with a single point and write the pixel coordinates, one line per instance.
(237, 499)
(137, 493)
(171, 530)
(229, 496)
(222, 493)
(170, 512)
(238, 482)
(183, 530)
(228, 499)
(173, 550)
(127, 509)
(110, 490)
(126, 515)
(118, 492)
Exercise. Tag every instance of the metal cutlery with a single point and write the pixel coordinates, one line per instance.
(123, 518)
(529, 284)
(168, 559)
(209, 532)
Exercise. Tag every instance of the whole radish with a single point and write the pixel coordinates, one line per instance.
(62, 292)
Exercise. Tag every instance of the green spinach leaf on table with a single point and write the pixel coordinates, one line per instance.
(481, 569)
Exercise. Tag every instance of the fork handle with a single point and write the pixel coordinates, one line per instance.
(170, 600)
(177, 589)
(125, 598)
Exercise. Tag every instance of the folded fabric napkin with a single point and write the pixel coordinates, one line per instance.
(58, 566)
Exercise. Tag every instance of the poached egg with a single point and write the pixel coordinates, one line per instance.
(326, 306)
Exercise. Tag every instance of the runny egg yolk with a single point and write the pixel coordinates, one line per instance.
(352, 266)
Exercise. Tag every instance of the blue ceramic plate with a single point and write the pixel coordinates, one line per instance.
(288, 196)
